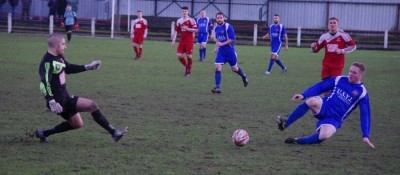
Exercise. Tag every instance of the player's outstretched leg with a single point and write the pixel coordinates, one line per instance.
(299, 112)
(103, 122)
(312, 139)
(44, 134)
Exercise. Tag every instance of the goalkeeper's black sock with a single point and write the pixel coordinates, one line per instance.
(102, 121)
(62, 127)
(69, 35)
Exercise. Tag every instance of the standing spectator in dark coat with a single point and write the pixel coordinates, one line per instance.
(62, 4)
(13, 4)
(26, 7)
(52, 4)
(1, 5)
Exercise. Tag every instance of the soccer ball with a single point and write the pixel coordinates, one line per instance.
(240, 137)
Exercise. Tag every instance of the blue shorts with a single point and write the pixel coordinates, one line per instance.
(226, 55)
(325, 117)
(202, 38)
(276, 48)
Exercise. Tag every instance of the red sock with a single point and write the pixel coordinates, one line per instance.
(136, 51)
(189, 65)
(140, 52)
(183, 61)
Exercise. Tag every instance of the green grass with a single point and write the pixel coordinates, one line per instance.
(177, 126)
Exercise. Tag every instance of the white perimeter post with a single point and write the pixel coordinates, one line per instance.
(112, 17)
(298, 36)
(9, 23)
(385, 40)
(129, 15)
(172, 29)
(51, 24)
(255, 35)
(93, 27)
(131, 27)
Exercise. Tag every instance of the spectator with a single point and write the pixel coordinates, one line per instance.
(62, 4)
(13, 4)
(52, 4)
(26, 7)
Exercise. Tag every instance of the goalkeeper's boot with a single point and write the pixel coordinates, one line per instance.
(281, 123)
(40, 134)
(119, 133)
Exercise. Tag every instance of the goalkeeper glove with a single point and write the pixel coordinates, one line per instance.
(55, 107)
(76, 26)
(62, 24)
(94, 65)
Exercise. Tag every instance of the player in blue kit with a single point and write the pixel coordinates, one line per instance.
(277, 33)
(348, 92)
(204, 26)
(225, 50)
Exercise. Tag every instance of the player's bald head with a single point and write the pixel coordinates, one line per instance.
(54, 39)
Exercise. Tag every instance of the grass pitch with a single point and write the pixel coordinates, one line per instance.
(177, 126)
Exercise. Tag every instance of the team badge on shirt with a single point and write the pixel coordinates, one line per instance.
(355, 93)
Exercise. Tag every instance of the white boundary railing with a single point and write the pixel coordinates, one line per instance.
(93, 29)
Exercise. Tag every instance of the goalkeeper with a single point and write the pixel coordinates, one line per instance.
(53, 69)
(70, 22)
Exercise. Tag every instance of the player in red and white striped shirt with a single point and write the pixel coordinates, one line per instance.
(138, 34)
(337, 43)
(187, 27)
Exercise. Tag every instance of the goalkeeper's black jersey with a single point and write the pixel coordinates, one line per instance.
(52, 72)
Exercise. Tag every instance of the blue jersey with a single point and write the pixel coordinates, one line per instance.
(223, 33)
(226, 53)
(69, 17)
(204, 25)
(344, 98)
(277, 34)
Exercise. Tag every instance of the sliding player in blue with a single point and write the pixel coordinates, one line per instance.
(225, 49)
(347, 93)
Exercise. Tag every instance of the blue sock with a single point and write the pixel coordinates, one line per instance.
(201, 53)
(310, 139)
(271, 63)
(297, 113)
(241, 73)
(218, 77)
(204, 53)
(280, 64)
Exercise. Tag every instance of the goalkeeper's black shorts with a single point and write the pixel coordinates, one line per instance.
(68, 103)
